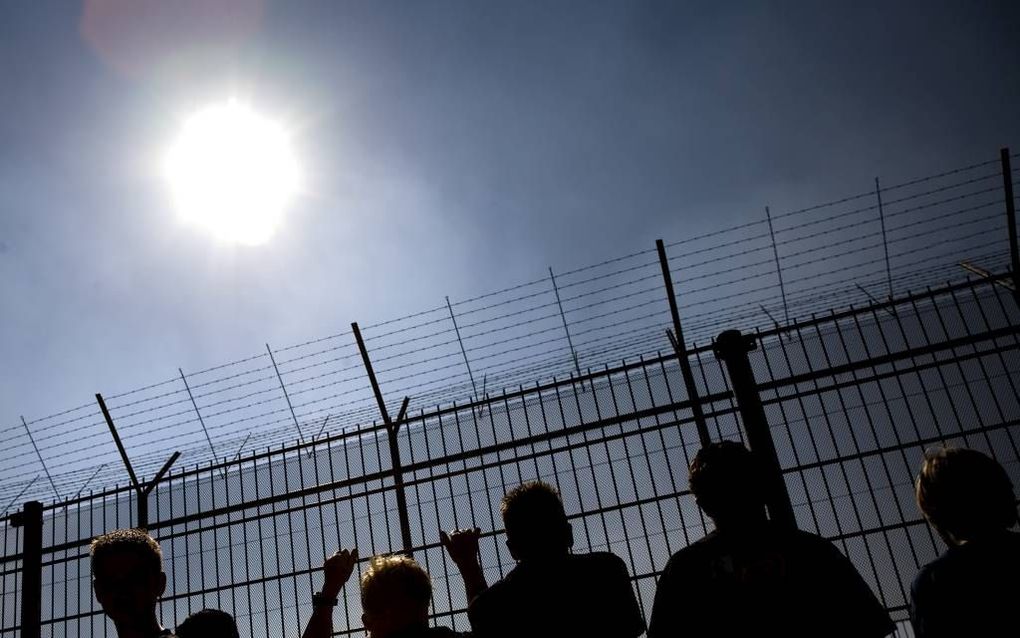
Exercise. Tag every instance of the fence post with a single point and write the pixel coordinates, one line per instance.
(392, 430)
(731, 347)
(1014, 250)
(142, 490)
(30, 518)
(680, 347)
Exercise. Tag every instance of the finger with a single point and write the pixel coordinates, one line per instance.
(354, 555)
(444, 539)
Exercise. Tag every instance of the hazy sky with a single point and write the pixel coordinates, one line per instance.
(449, 148)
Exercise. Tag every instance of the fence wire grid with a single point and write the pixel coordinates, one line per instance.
(857, 376)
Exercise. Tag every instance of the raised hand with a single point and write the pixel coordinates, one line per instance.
(338, 569)
(461, 545)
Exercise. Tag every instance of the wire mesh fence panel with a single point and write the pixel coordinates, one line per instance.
(885, 239)
(562, 379)
(10, 579)
(854, 400)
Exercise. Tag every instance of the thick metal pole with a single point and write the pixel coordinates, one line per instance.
(680, 346)
(398, 477)
(142, 490)
(392, 429)
(145, 490)
(1014, 249)
(371, 374)
(163, 470)
(142, 506)
(731, 347)
(116, 439)
(31, 569)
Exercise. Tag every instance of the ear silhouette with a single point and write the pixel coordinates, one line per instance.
(513, 550)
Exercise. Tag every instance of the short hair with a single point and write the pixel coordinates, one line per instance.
(964, 492)
(208, 623)
(725, 469)
(392, 580)
(133, 540)
(533, 512)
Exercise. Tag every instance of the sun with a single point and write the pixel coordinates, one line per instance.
(232, 171)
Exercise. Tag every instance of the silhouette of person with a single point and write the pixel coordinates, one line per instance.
(750, 577)
(336, 570)
(128, 578)
(395, 597)
(208, 623)
(551, 592)
(972, 589)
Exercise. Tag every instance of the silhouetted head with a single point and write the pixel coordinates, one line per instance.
(726, 481)
(127, 575)
(964, 494)
(536, 524)
(208, 623)
(395, 595)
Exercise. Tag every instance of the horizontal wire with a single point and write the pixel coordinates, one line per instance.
(567, 284)
(192, 420)
(799, 211)
(608, 261)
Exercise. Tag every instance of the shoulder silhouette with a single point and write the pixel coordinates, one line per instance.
(972, 589)
(551, 592)
(128, 578)
(752, 577)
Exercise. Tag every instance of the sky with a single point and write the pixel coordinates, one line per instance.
(448, 148)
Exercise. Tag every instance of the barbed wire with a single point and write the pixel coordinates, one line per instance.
(613, 309)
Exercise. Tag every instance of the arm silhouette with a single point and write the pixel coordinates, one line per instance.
(336, 570)
(462, 546)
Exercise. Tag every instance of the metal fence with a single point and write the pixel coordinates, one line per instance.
(875, 241)
(851, 399)
(848, 399)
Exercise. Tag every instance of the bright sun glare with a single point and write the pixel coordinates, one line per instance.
(232, 172)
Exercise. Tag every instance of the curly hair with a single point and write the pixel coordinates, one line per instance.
(392, 581)
(129, 540)
(965, 493)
